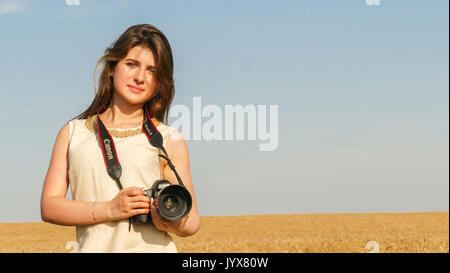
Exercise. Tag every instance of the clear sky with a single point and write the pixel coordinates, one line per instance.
(362, 94)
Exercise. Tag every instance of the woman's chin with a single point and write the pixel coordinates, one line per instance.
(133, 99)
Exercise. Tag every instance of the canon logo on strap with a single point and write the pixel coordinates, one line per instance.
(108, 148)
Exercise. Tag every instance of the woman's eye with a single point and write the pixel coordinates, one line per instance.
(151, 70)
(130, 64)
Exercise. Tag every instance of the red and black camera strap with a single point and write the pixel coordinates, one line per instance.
(110, 153)
(156, 140)
(109, 149)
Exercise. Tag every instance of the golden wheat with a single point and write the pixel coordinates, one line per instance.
(349, 232)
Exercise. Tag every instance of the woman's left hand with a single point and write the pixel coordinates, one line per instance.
(162, 224)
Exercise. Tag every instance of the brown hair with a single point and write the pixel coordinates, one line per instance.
(138, 35)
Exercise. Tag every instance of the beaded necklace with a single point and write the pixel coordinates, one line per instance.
(91, 123)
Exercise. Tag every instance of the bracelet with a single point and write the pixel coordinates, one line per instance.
(92, 211)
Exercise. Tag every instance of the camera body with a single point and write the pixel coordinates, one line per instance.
(173, 202)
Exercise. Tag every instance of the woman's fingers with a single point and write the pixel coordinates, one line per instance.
(139, 198)
(135, 201)
(136, 205)
(134, 191)
(156, 219)
(139, 211)
(128, 202)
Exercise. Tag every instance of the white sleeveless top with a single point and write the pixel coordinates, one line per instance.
(89, 181)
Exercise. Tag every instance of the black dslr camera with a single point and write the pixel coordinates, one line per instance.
(173, 202)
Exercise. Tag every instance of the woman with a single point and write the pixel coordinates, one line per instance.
(137, 71)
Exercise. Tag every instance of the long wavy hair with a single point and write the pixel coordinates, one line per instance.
(138, 35)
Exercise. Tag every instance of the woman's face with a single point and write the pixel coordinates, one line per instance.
(134, 79)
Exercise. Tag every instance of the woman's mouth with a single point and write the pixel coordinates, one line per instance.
(135, 89)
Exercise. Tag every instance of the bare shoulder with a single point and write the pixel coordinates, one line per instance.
(56, 180)
(62, 142)
(61, 147)
(63, 135)
(64, 129)
(176, 148)
(176, 145)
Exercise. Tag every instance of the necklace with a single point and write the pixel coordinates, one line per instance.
(91, 124)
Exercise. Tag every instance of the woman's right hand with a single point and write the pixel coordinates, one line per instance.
(127, 203)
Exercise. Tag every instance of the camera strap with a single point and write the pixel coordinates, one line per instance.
(110, 154)
(109, 149)
(156, 140)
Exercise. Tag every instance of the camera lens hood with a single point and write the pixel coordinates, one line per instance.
(174, 202)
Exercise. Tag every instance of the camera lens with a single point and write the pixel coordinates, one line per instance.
(170, 203)
(174, 202)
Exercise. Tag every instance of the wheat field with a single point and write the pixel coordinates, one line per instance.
(300, 233)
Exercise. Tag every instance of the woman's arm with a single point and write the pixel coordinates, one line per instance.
(56, 209)
(179, 155)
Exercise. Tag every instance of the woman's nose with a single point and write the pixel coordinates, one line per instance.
(139, 75)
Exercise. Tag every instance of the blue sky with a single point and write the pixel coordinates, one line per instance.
(362, 94)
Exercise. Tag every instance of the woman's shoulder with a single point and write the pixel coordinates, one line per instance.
(168, 131)
(75, 128)
(162, 127)
(77, 124)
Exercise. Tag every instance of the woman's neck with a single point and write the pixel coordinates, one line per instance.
(116, 116)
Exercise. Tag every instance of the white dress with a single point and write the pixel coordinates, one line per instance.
(89, 181)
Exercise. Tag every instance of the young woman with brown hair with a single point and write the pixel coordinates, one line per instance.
(137, 71)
